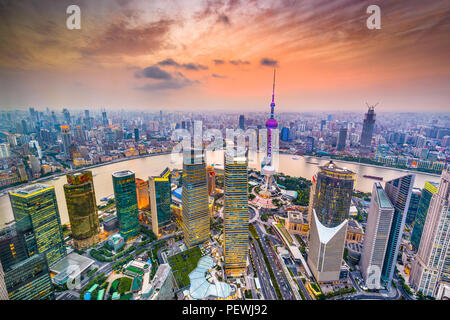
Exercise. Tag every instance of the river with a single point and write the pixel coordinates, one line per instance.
(148, 166)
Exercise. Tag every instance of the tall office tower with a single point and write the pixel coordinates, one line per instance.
(67, 139)
(242, 122)
(431, 268)
(323, 123)
(160, 199)
(3, 292)
(399, 193)
(124, 185)
(82, 208)
(104, 119)
(4, 151)
(136, 134)
(194, 199)
(367, 131)
(37, 217)
(429, 189)
(235, 244)
(342, 139)
(66, 114)
(211, 180)
(269, 184)
(30, 280)
(12, 247)
(143, 197)
(378, 227)
(416, 195)
(330, 201)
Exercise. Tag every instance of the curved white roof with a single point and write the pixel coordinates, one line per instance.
(325, 233)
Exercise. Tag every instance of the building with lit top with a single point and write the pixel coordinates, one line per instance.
(124, 185)
(143, 197)
(37, 218)
(235, 215)
(195, 205)
(160, 200)
(82, 208)
(332, 191)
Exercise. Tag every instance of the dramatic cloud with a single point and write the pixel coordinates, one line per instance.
(239, 62)
(187, 66)
(219, 62)
(153, 72)
(269, 62)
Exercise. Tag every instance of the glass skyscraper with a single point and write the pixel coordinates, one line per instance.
(330, 201)
(30, 280)
(124, 185)
(194, 199)
(12, 247)
(367, 131)
(378, 227)
(160, 199)
(37, 218)
(431, 268)
(235, 245)
(3, 291)
(399, 193)
(429, 189)
(82, 208)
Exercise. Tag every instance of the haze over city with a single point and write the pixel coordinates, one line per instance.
(219, 55)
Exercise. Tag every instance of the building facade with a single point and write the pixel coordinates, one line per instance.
(236, 215)
(416, 195)
(37, 218)
(82, 208)
(367, 131)
(431, 268)
(3, 291)
(30, 280)
(143, 197)
(332, 190)
(429, 189)
(124, 185)
(399, 193)
(378, 227)
(160, 200)
(195, 216)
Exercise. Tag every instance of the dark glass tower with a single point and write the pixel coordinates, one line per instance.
(12, 247)
(342, 139)
(429, 189)
(399, 193)
(367, 131)
(416, 195)
(82, 208)
(37, 218)
(30, 280)
(124, 184)
(242, 122)
(160, 199)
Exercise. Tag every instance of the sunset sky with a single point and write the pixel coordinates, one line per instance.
(220, 55)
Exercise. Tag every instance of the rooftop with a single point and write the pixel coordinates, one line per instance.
(29, 190)
(383, 199)
(123, 173)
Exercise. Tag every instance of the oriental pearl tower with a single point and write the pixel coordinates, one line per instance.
(269, 187)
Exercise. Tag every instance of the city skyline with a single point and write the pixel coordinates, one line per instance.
(134, 56)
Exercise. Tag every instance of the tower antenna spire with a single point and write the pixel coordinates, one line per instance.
(273, 90)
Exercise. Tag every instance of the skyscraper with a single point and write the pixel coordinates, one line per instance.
(194, 199)
(82, 208)
(367, 131)
(124, 185)
(104, 119)
(242, 122)
(67, 140)
(416, 195)
(342, 139)
(399, 193)
(160, 199)
(235, 245)
(37, 217)
(3, 292)
(12, 247)
(136, 134)
(431, 268)
(378, 227)
(143, 197)
(429, 189)
(30, 280)
(331, 195)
